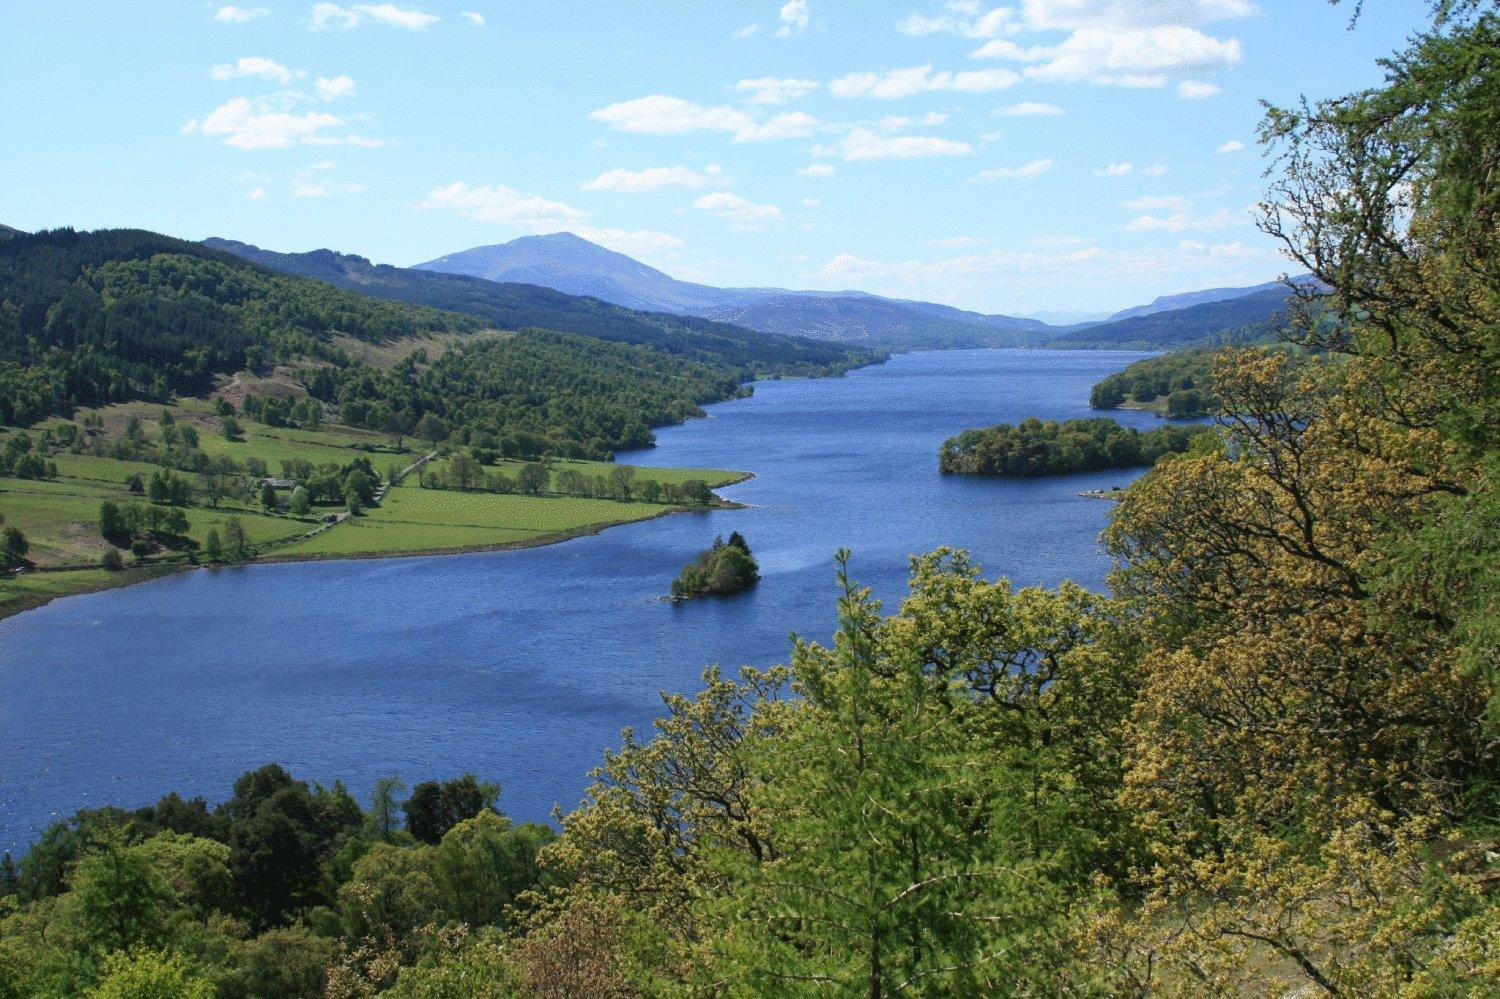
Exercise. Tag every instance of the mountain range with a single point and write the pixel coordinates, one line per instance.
(563, 281)
(574, 265)
(514, 305)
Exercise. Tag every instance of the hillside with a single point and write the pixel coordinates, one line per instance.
(1184, 300)
(511, 305)
(574, 265)
(1245, 319)
(89, 318)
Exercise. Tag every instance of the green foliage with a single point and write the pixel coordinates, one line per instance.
(437, 806)
(535, 393)
(725, 568)
(93, 318)
(150, 974)
(1035, 447)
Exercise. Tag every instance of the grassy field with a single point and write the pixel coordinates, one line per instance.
(60, 517)
(412, 519)
(714, 477)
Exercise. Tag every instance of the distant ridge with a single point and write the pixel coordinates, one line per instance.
(1242, 319)
(513, 305)
(1169, 303)
(572, 264)
(9, 232)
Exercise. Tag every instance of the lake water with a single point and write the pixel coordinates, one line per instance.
(522, 666)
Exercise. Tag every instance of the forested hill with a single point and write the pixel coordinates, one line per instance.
(6, 232)
(88, 318)
(517, 306)
(1246, 319)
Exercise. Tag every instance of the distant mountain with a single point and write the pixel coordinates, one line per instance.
(1171, 303)
(1067, 317)
(7, 232)
(1241, 319)
(574, 265)
(513, 305)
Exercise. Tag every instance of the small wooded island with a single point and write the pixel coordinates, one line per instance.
(1036, 447)
(727, 567)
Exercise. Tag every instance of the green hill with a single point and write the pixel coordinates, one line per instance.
(88, 318)
(517, 306)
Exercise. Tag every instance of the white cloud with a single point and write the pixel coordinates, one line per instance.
(789, 125)
(655, 178)
(230, 14)
(1232, 146)
(1154, 170)
(474, 18)
(817, 170)
(1139, 57)
(961, 19)
(736, 208)
(900, 123)
(256, 193)
(659, 114)
(240, 123)
(980, 277)
(501, 203)
(253, 66)
(1193, 90)
(331, 89)
(1183, 221)
(325, 15)
(747, 31)
(774, 90)
(1121, 14)
(1115, 170)
(897, 83)
(867, 144)
(1028, 109)
(1035, 168)
(811, 202)
(794, 16)
(1046, 240)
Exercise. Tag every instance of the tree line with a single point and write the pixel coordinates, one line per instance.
(1036, 447)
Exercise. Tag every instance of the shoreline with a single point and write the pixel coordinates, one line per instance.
(147, 574)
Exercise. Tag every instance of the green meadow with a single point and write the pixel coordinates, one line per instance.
(60, 516)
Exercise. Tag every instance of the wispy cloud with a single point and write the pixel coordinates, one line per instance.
(230, 14)
(893, 84)
(1026, 171)
(656, 178)
(775, 90)
(867, 144)
(253, 66)
(660, 114)
(794, 16)
(331, 15)
(1027, 109)
(737, 209)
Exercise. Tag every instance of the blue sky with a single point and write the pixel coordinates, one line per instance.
(1040, 155)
